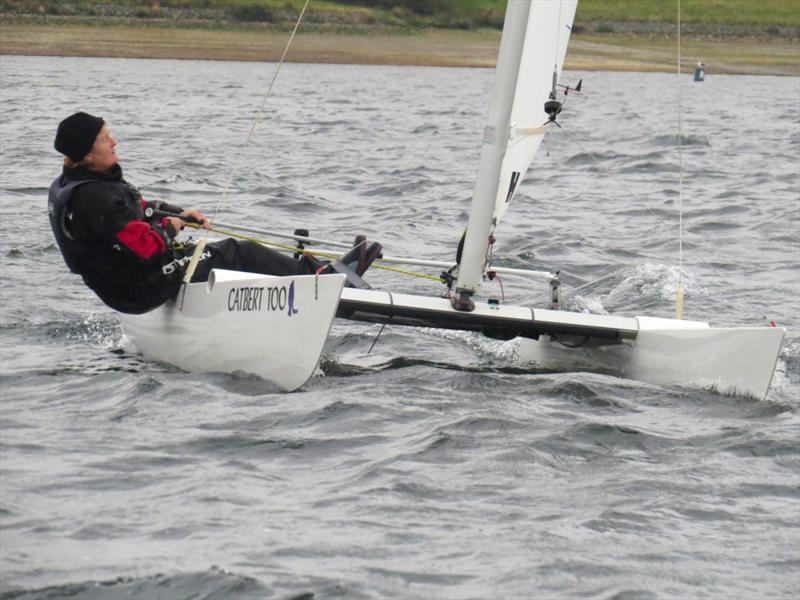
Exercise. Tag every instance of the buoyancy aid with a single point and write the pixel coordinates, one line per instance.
(82, 257)
(123, 279)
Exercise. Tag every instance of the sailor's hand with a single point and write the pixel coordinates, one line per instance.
(177, 224)
(195, 216)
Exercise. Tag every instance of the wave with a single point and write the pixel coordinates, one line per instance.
(686, 140)
(636, 287)
(205, 585)
(97, 330)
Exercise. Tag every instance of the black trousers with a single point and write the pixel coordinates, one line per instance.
(244, 255)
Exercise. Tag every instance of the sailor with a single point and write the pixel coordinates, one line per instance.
(123, 246)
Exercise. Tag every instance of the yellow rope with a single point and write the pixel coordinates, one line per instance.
(291, 248)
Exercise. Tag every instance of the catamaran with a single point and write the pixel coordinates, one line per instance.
(276, 327)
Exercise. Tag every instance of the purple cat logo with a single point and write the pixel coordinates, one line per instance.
(292, 309)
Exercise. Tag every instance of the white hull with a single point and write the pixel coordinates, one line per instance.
(736, 361)
(273, 327)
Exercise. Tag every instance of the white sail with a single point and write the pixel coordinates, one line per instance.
(532, 50)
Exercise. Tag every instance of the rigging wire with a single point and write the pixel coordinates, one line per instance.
(201, 243)
(261, 106)
(679, 291)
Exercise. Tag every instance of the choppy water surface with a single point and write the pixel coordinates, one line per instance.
(435, 467)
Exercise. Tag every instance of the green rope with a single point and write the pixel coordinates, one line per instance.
(290, 248)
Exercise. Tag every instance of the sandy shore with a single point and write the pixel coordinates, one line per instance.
(427, 48)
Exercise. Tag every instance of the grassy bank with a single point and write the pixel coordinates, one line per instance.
(428, 47)
(747, 17)
(749, 13)
(730, 36)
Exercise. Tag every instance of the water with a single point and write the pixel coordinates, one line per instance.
(436, 466)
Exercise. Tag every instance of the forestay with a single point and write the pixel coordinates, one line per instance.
(529, 63)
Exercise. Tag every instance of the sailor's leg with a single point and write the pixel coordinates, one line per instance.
(246, 256)
(252, 257)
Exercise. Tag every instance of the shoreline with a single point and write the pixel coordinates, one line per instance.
(442, 48)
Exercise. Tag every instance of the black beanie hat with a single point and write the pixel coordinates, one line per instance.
(76, 135)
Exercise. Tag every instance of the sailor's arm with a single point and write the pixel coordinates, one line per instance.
(106, 213)
(159, 208)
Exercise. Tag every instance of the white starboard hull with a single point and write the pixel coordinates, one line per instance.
(273, 327)
(738, 361)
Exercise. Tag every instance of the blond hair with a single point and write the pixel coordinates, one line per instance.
(71, 164)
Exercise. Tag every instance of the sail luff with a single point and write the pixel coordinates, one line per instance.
(532, 51)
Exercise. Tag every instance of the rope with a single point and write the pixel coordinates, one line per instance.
(377, 337)
(502, 289)
(679, 291)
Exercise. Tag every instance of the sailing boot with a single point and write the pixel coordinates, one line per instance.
(356, 262)
(373, 251)
(362, 256)
(355, 257)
